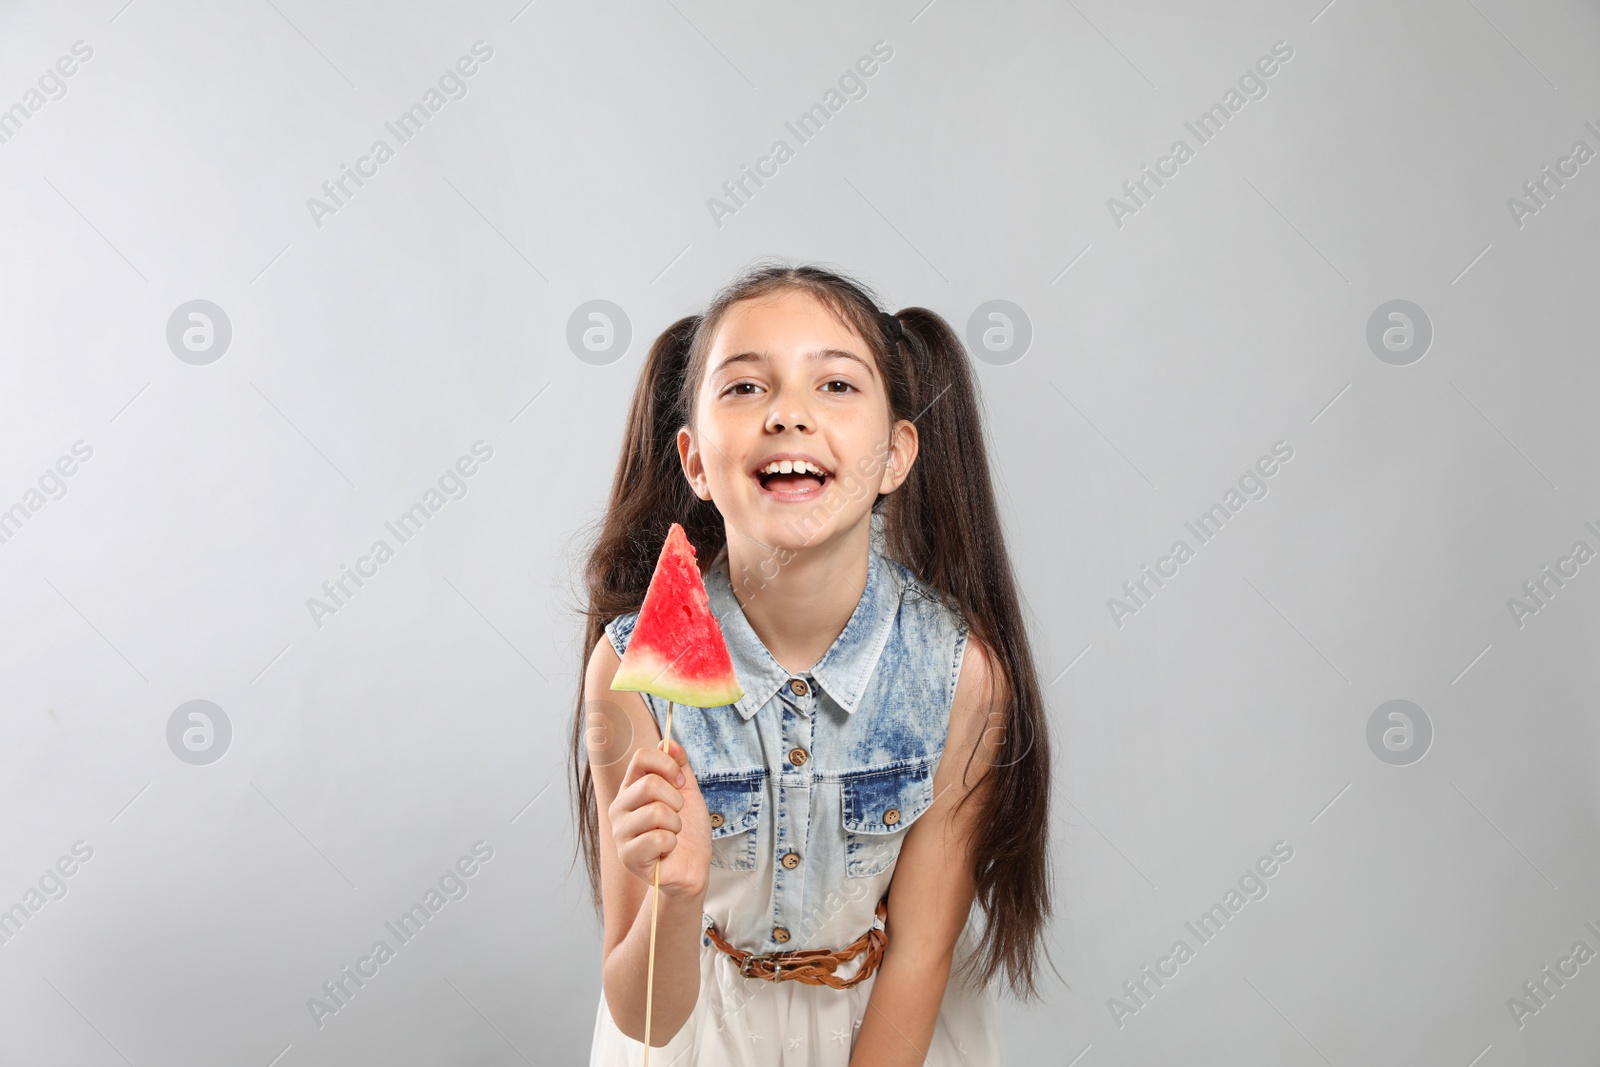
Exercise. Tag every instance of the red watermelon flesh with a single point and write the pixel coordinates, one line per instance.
(677, 651)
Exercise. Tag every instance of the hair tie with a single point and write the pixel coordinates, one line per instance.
(891, 327)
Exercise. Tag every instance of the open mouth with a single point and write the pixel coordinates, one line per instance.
(792, 479)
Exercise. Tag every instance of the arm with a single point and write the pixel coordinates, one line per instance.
(643, 815)
(932, 890)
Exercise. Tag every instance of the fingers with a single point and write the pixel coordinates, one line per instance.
(671, 765)
(681, 758)
(645, 822)
(647, 802)
(630, 824)
(650, 836)
(654, 815)
(641, 853)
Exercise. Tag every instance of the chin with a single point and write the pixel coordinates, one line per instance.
(792, 530)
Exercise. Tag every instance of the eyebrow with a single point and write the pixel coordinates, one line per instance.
(818, 354)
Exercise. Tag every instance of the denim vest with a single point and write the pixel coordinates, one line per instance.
(813, 778)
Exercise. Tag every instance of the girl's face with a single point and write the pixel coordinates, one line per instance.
(792, 438)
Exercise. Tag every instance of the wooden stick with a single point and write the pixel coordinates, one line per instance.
(655, 900)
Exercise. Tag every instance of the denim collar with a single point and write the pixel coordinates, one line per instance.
(842, 671)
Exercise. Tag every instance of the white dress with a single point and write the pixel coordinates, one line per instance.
(803, 766)
(752, 1022)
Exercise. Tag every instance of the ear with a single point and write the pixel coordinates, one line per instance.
(689, 459)
(902, 453)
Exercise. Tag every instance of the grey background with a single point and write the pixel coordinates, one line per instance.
(1168, 354)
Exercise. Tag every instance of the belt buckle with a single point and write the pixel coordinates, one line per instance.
(765, 957)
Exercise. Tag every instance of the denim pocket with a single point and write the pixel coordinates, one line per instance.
(878, 806)
(735, 807)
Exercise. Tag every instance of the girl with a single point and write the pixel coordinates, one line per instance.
(822, 841)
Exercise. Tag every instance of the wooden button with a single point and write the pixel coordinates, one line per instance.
(797, 756)
(779, 934)
(791, 860)
(716, 819)
(891, 816)
(797, 686)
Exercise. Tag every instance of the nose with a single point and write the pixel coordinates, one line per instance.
(788, 412)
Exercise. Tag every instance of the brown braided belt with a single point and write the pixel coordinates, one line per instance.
(814, 966)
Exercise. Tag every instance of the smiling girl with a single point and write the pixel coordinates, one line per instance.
(822, 842)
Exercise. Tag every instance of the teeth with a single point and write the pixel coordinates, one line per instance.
(797, 466)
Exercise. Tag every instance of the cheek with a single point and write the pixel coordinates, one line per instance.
(719, 441)
(717, 451)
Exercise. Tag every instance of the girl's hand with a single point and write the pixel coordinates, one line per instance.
(654, 817)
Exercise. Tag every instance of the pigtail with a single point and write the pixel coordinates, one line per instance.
(648, 494)
(944, 524)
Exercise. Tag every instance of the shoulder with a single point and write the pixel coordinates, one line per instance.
(979, 710)
(615, 722)
(604, 658)
(619, 629)
(921, 602)
(929, 620)
(981, 686)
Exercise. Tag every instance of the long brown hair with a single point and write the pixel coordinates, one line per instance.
(941, 523)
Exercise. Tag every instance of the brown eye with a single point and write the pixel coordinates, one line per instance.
(841, 381)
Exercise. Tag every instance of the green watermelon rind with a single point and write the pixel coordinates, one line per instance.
(648, 673)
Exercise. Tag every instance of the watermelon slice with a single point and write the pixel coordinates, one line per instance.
(677, 651)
